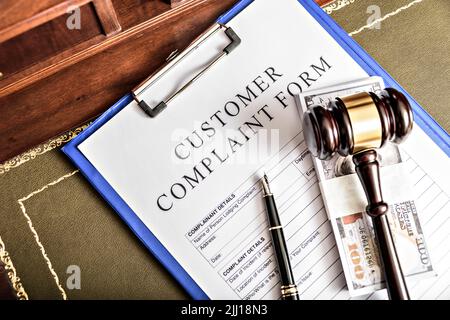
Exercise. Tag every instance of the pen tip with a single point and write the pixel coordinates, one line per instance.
(265, 183)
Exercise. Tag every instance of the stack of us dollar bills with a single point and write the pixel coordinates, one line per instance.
(345, 202)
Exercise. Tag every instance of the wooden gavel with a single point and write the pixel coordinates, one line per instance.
(358, 125)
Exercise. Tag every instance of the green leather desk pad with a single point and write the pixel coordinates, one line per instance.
(51, 218)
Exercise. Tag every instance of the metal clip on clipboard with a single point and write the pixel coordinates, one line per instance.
(174, 60)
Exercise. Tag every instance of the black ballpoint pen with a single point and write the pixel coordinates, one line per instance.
(288, 287)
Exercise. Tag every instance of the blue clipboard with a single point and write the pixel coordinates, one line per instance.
(422, 118)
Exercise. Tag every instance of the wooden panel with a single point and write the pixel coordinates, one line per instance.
(13, 12)
(324, 2)
(107, 16)
(19, 16)
(175, 2)
(133, 12)
(46, 41)
(130, 13)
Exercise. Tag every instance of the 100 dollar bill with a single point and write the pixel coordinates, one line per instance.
(359, 253)
(351, 226)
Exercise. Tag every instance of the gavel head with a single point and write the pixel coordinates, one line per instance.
(358, 122)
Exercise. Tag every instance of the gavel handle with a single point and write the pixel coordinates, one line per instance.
(368, 171)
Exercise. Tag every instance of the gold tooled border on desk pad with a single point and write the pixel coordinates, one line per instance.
(36, 235)
(40, 149)
(21, 294)
(337, 5)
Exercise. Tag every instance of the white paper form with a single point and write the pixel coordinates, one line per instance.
(204, 204)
